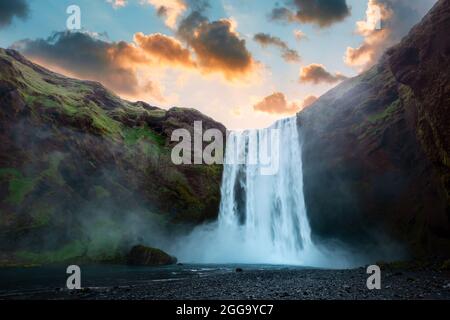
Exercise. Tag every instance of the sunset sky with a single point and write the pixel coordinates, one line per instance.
(246, 63)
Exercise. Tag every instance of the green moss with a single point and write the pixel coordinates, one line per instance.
(134, 135)
(157, 113)
(65, 95)
(386, 113)
(52, 172)
(42, 215)
(101, 120)
(68, 252)
(101, 192)
(19, 186)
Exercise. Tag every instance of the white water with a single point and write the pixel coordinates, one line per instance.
(262, 218)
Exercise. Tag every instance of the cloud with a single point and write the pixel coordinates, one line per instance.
(299, 35)
(217, 46)
(117, 3)
(276, 103)
(170, 10)
(316, 73)
(288, 54)
(12, 9)
(208, 47)
(397, 18)
(123, 66)
(322, 13)
(84, 56)
(309, 100)
(164, 49)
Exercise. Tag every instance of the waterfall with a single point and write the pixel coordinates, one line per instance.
(266, 210)
(262, 216)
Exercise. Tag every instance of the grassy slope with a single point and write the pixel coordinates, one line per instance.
(71, 149)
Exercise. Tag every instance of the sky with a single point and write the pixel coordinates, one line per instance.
(245, 63)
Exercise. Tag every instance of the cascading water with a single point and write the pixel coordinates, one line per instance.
(262, 215)
(262, 203)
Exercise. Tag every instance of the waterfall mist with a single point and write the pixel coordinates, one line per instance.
(262, 215)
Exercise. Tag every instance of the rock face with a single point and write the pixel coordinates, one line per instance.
(377, 148)
(145, 256)
(80, 167)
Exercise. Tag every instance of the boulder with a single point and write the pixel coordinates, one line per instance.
(146, 256)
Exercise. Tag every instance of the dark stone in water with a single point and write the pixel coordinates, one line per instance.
(146, 256)
(239, 270)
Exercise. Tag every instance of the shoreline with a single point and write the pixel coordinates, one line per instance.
(265, 284)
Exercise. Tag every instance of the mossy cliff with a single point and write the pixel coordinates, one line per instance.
(82, 169)
(377, 148)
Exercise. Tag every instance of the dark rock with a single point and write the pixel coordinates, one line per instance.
(376, 149)
(146, 256)
(239, 270)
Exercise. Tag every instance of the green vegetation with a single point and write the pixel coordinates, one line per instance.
(100, 119)
(386, 113)
(20, 185)
(42, 215)
(133, 136)
(101, 192)
(71, 251)
(111, 157)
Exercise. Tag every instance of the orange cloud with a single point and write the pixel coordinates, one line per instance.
(386, 22)
(309, 100)
(276, 103)
(376, 40)
(218, 48)
(170, 10)
(316, 73)
(164, 49)
(84, 56)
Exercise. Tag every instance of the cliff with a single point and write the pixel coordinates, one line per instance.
(377, 148)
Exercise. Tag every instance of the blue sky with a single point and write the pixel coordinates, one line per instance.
(231, 102)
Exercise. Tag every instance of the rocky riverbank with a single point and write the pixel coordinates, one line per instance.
(260, 283)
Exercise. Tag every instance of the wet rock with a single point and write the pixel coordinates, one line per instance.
(146, 256)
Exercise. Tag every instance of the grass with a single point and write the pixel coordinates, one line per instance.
(42, 215)
(68, 96)
(20, 186)
(386, 113)
(68, 252)
(101, 192)
(133, 136)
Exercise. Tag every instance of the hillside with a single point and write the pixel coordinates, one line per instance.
(83, 172)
